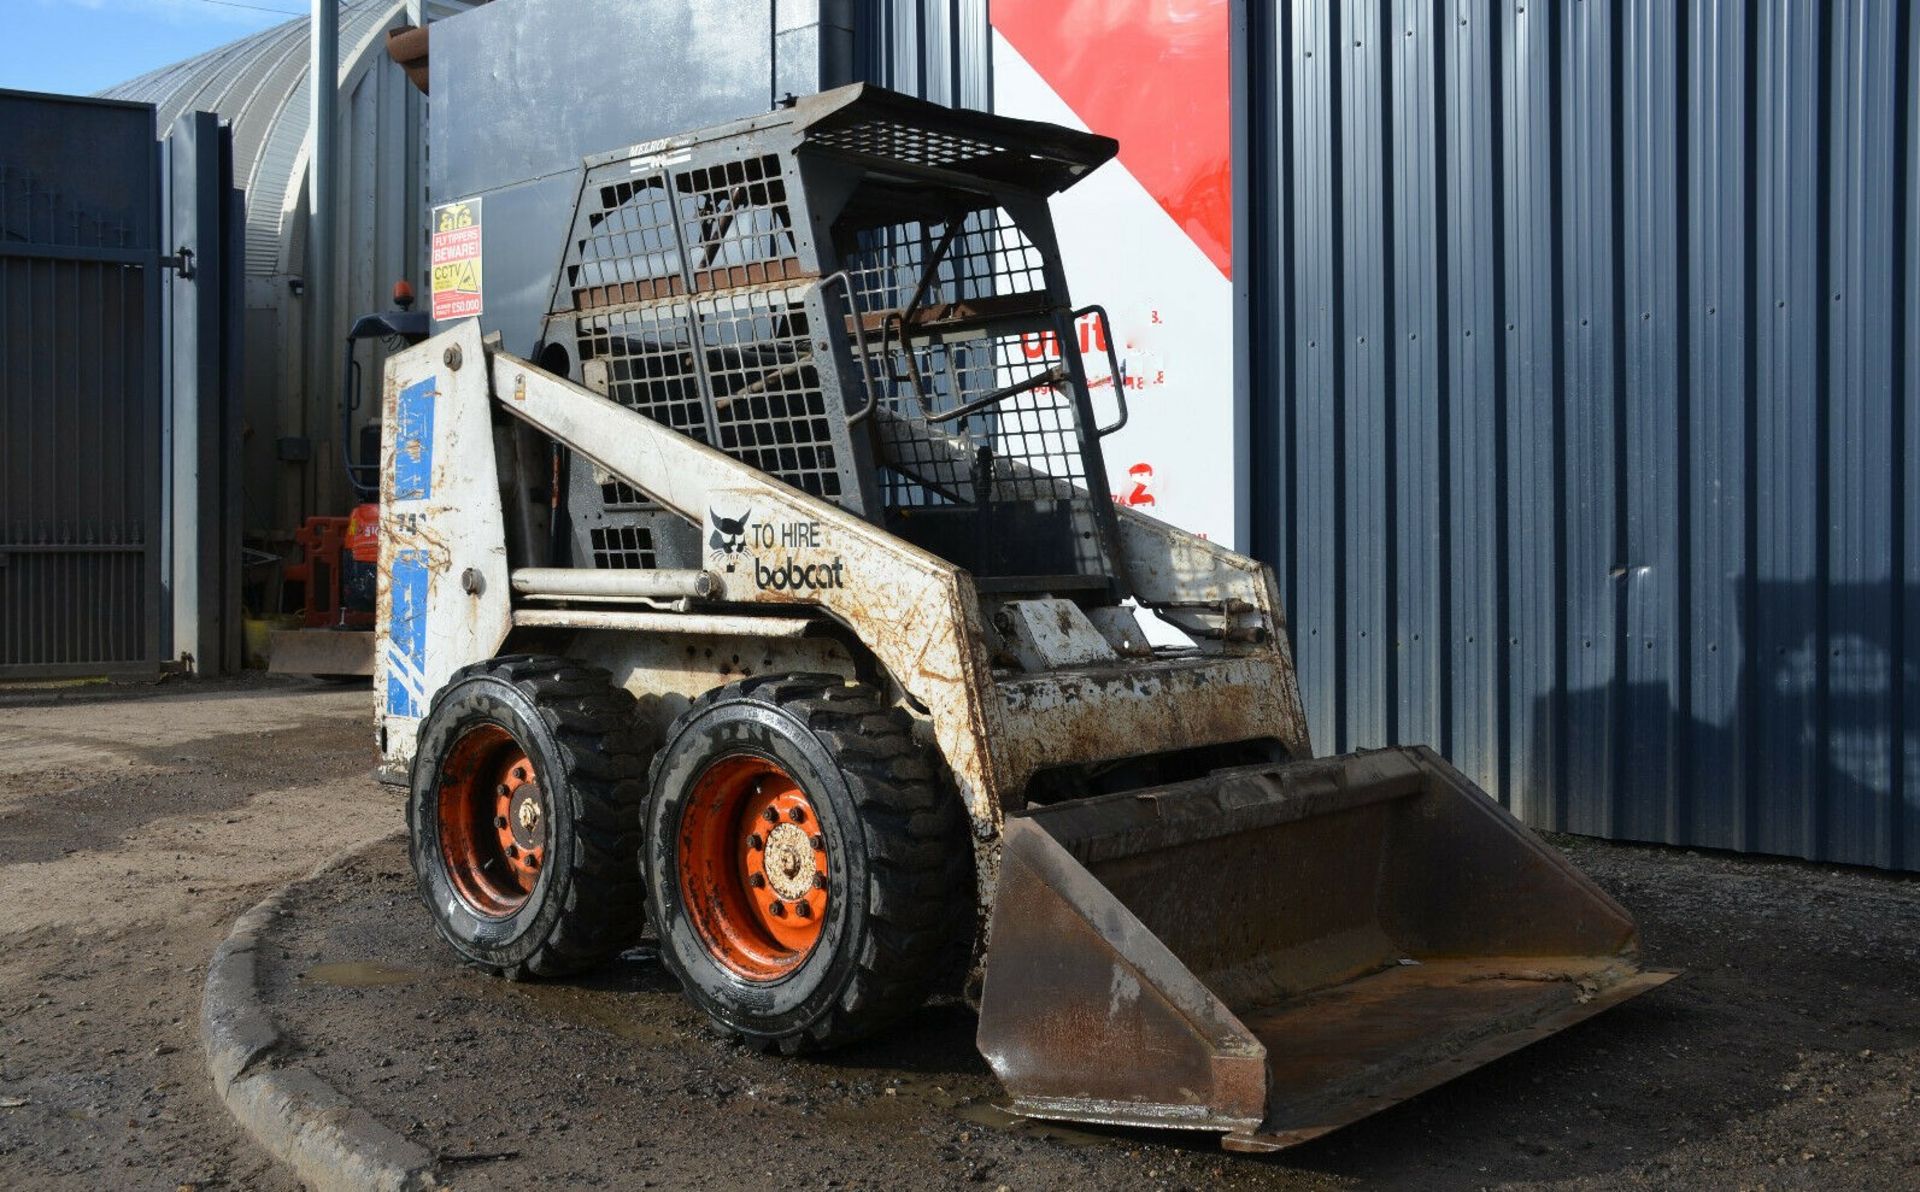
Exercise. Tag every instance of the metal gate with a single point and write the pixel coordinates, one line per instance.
(80, 425)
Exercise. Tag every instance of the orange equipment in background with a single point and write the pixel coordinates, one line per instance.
(340, 558)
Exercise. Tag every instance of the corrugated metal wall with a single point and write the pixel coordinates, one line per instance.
(940, 50)
(1582, 396)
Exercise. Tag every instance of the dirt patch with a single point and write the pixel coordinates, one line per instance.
(1788, 1056)
(199, 776)
(144, 823)
(140, 823)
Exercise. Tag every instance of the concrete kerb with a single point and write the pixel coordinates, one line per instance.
(300, 1119)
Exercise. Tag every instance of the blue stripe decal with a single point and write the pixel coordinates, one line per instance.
(413, 442)
(407, 635)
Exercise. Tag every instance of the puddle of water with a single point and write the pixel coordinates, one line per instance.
(621, 1023)
(359, 974)
(986, 1113)
(897, 1095)
(616, 1017)
(912, 1098)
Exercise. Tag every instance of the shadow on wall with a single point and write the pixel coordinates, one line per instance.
(1808, 745)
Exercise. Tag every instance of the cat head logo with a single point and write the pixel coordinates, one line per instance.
(729, 536)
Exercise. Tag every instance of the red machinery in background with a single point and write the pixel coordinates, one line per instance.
(339, 559)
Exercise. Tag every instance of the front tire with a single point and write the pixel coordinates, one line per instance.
(807, 876)
(523, 816)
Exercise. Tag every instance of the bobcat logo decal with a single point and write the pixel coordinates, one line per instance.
(729, 537)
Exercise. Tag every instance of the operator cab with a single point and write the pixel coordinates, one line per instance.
(859, 293)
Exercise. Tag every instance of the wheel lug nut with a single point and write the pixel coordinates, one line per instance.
(757, 880)
(520, 772)
(797, 814)
(770, 815)
(755, 843)
(803, 910)
(501, 789)
(513, 850)
(533, 860)
(819, 881)
(817, 843)
(778, 909)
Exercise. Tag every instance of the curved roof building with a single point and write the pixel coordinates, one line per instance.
(258, 86)
(291, 387)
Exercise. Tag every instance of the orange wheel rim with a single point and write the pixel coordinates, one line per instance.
(753, 867)
(493, 821)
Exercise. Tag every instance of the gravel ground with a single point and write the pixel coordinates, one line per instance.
(143, 823)
(1787, 1056)
(140, 823)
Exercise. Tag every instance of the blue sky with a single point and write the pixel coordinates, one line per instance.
(81, 46)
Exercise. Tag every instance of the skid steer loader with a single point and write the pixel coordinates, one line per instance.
(777, 599)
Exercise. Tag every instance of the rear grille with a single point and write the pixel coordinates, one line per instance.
(622, 548)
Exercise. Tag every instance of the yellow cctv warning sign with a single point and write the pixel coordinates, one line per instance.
(456, 260)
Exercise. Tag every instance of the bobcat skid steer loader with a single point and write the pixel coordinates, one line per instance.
(777, 599)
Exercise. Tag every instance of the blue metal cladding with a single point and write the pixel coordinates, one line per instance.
(940, 50)
(1579, 356)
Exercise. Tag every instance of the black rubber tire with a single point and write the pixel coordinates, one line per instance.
(900, 891)
(581, 735)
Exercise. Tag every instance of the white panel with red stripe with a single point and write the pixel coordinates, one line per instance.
(1147, 235)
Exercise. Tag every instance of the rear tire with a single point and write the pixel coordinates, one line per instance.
(523, 816)
(807, 876)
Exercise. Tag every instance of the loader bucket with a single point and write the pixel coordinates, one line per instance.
(1276, 951)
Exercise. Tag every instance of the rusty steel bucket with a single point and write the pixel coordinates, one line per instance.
(1276, 951)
